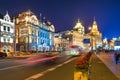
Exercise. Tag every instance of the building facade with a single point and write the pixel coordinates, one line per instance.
(75, 36)
(78, 34)
(7, 34)
(33, 34)
(96, 36)
(46, 36)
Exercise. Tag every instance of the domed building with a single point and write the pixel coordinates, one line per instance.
(33, 34)
(79, 27)
(75, 36)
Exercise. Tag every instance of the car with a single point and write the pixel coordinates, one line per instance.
(3, 54)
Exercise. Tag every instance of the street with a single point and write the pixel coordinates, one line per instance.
(36, 69)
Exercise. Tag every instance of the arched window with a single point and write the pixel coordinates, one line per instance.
(9, 47)
(4, 48)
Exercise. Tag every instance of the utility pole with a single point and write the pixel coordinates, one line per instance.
(14, 36)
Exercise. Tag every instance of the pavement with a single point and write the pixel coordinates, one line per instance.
(99, 71)
(109, 61)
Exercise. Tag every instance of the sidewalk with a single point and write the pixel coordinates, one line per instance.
(99, 71)
(108, 60)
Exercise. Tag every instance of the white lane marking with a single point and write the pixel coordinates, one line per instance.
(33, 77)
(52, 69)
(37, 75)
(68, 61)
(59, 65)
(12, 67)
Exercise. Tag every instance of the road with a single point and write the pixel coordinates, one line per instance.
(37, 69)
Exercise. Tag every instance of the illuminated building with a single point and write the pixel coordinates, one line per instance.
(32, 34)
(7, 32)
(75, 36)
(117, 43)
(112, 44)
(57, 41)
(96, 36)
(60, 41)
(78, 34)
(105, 44)
(46, 36)
(79, 27)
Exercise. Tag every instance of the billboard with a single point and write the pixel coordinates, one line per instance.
(86, 41)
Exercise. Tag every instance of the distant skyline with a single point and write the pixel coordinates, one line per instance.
(65, 13)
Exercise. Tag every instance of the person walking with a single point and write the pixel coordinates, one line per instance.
(116, 57)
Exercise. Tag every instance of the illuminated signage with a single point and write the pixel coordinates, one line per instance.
(86, 41)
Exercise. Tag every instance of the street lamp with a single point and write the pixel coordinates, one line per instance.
(0, 35)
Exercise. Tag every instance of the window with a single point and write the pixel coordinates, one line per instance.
(4, 39)
(4, 28)
(33, 40)
(8, 39)
(8, 48)
(8, 29)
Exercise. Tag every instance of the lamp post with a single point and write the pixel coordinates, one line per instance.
(92, 43)
(0, 35)
(14, 36)
(91, 40)
(37, 42)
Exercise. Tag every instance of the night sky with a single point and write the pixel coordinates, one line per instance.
(64, 13)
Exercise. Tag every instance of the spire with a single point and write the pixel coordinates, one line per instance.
(94, 22)
(29, 10)
(40, 15)
(7, 17)
(94, 26)
(78, 20)
(7, 12)
(94, 18)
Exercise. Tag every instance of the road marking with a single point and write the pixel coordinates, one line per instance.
(12, 67)
(52, 69)
(59, 65)
(68, 61)
(37, 75)
(33, 77)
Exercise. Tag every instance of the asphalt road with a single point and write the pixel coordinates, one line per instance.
(34, 69)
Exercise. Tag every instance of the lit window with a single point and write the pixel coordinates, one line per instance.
(8, 39)
(8, 48)
(4, 28)
(4, 39)
(8, 29)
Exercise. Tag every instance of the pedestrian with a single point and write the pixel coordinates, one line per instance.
(115, 54)
(116, 57)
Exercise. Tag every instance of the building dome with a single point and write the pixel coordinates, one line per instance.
(79, 27)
